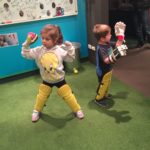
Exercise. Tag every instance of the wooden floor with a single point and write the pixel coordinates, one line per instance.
(134, 69)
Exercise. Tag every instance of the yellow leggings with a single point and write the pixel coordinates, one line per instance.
(64, 91)
(104, 86)
(44, 92)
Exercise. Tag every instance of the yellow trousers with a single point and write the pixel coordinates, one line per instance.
(104, 86)
(64, 91)
(44, 92)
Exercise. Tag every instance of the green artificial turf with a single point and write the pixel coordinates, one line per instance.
(125, 125)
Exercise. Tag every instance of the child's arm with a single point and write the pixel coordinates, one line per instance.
(118, 52)
(70, 49)
(121, 48)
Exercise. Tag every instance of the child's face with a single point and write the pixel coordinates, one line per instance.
(108, 37)
(47, 41)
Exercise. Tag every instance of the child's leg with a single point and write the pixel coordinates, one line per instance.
(44, 92)
(109, 96)
(104, 86)
(66, 92)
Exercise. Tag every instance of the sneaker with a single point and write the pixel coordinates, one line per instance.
(79, 114)
(35, 116)
(108, 96)
(102, 102)
(139, 45)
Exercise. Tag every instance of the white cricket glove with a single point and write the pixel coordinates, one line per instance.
(122, 50)
(120, 30)
(118, 52)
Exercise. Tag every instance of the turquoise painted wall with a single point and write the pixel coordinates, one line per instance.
(73, 28)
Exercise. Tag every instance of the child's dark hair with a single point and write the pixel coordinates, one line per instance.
(101, 30)
(54, 32)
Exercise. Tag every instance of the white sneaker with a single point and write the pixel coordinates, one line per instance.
(80, 114)
(35, 116)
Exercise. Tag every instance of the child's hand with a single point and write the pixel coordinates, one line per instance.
(120, 30)
(67, 43)
(31, 38)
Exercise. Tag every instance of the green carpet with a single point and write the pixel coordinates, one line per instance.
(125, 125)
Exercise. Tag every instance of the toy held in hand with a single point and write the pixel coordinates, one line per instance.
(120, 30)
(32, 37)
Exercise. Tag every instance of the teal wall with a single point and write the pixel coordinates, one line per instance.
(73, 28)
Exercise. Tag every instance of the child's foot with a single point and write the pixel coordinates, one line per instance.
(79, 114)
(35, 116)
(109, 96)
(102, 102)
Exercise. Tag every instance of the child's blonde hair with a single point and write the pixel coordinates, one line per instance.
(101, 30)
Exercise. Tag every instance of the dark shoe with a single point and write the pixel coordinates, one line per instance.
(108, 96)
(102, 102)
(148, 38)
(139, 45)
(147, 45)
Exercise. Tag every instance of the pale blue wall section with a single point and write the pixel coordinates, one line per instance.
(73, 28)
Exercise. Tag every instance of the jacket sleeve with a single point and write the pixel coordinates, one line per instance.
(29, 53)
(69, 52)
